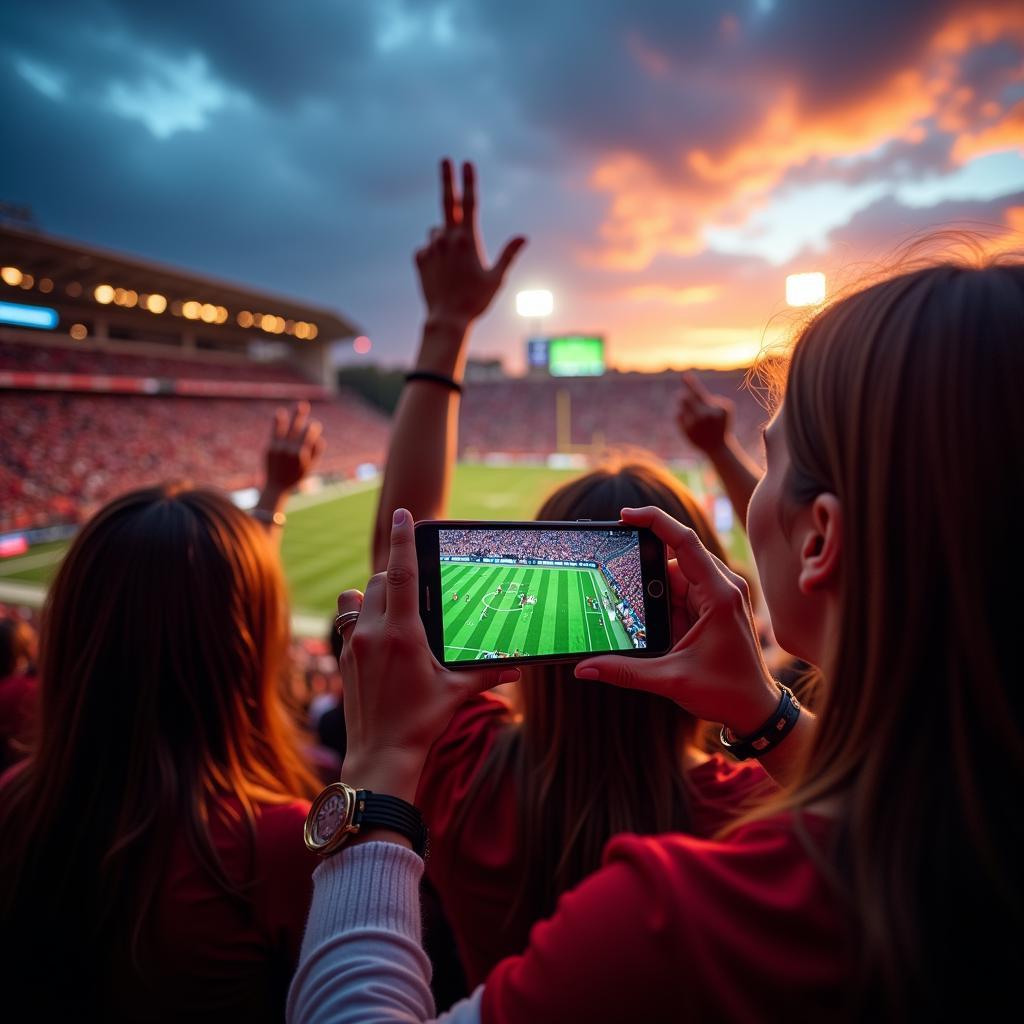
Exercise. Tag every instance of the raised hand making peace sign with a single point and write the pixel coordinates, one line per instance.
(457, 284)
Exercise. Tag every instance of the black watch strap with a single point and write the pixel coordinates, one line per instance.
(376, 810)
(771, 733)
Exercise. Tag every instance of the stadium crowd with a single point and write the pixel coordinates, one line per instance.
(627, 838)
(624, 574)
(519, 417)
(565, 545)
(65, 454)
(106, 361)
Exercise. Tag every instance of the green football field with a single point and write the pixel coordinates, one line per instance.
(326, 543)
(519, 610)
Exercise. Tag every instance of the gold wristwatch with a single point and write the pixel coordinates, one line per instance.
(340, 812)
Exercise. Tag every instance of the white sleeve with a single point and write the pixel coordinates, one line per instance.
(362, 957)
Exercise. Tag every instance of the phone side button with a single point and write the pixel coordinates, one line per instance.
(655, 588)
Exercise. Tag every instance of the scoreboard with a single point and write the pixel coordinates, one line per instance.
(567, 355)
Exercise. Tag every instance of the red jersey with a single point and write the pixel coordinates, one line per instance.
(218, 959)
(211, 957)
(674, 928)
(17, 712)
(478, 873)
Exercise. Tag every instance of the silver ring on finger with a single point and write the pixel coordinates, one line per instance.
(344, 619)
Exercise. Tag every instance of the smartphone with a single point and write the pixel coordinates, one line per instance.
(542, 591)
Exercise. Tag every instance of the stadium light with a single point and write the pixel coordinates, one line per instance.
(535, 304)
(103, 294)
(156, 303)
(805, 289)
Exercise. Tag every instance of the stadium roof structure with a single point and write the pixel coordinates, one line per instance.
(82, 279)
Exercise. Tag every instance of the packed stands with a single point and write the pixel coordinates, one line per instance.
(109, 362)
(64, 454)
(569, 545)
(520, 417)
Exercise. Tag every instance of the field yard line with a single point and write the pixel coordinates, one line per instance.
(8, 568)
(307, 624)
(586, 621)
(300, 502)
(31, 594)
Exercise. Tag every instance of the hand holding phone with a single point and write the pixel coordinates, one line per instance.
(398, 699)
(716, 669)
(541, 591)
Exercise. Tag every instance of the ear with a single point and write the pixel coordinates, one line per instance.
(821, 544)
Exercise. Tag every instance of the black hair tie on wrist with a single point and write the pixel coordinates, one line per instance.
(771, 734)
(436, 378)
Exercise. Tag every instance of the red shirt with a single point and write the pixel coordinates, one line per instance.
(212, 958)
(17, 711)
(215, 959)
(675, 928)
(478, 878)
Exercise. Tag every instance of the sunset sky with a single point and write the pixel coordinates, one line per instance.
(671, 162)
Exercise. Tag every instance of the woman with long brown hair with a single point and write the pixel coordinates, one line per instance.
(152, 864)
(885, 881)
(521, 800)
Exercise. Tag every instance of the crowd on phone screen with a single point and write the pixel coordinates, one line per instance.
(596, 854)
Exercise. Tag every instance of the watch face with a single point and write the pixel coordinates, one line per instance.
(330, 816)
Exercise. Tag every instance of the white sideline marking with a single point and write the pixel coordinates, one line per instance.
(30, 594)
(331, 492)
(586, 622)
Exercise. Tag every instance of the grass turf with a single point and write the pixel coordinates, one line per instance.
(326, 545)
(485, 620)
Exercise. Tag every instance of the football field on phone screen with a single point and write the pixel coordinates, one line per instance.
(537, 610)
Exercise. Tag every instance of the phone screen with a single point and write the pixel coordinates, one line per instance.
(518, 593)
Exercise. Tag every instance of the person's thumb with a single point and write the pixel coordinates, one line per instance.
(508, 254)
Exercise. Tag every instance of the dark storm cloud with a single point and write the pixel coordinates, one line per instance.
(656, 76)
(293, 146)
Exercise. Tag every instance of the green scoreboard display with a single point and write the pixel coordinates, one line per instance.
(570, 355)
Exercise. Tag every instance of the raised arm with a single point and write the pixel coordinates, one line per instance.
(296, 442)
(457, 287)
(706, 422)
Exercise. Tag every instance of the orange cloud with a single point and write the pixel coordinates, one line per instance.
(653, 213)
(694, 295)
(1006, 133)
